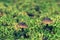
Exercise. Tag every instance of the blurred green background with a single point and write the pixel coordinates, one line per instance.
(15, 11)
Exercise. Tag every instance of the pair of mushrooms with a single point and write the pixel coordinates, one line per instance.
(46, 21)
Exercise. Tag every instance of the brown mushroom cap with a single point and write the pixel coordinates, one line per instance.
(22, 25)
(47, 21)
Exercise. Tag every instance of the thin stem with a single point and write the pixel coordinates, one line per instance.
(22, 29)
(46, 25)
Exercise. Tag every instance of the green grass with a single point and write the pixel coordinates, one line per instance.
(20, 8)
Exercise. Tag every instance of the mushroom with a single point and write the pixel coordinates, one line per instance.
(47, 21)
(23, 25)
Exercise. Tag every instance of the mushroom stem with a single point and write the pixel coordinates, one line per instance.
(22, 29)
(46, 25)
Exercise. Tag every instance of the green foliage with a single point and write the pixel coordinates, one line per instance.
(15, 11)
